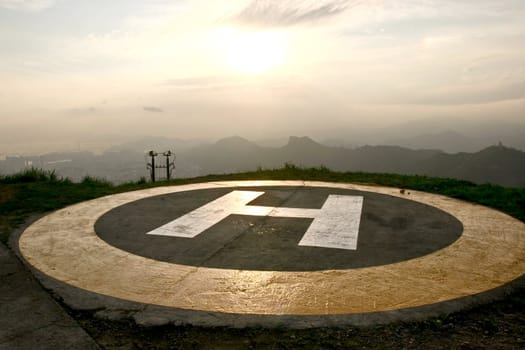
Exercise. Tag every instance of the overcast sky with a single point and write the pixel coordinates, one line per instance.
(73, 69)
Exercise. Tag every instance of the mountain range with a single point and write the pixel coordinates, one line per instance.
(496, 164)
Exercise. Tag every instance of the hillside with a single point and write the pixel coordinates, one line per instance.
(448, 141)
(496, 164)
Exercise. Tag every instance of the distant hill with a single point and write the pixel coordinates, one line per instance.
(453, 142)
(495, 164)
(232, 154)
(447, 141)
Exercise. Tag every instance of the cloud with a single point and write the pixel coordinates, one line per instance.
(227, 83)
(27, 5)
(208, 83)
(195, 82)
(152, 109)
(282, 13)
(82, 111)
(468, 95)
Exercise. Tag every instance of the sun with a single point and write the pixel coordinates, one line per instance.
(251, 52)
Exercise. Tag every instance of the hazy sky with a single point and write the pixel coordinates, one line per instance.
(75, 69)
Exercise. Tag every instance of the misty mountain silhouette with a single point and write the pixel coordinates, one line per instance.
(448, 141)
(495, 164)
(236, 143)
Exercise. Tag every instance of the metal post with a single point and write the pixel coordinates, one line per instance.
(152, 168)
(169, 164)
(152, 154)
(167, 154)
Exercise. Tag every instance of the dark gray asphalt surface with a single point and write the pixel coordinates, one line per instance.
(392, 230)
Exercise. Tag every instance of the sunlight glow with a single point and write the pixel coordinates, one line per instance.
(251, 52)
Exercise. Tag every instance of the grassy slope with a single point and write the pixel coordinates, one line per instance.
(498, 325)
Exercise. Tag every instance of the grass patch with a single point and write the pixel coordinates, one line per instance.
(30, 175)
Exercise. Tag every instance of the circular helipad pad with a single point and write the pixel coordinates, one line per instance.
(391, 229)
(279, 248)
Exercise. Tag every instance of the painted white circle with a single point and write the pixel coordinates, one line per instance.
(489, 254)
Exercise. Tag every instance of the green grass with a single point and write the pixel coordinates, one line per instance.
(35, 191)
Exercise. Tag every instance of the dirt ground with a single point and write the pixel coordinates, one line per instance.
(499, 325)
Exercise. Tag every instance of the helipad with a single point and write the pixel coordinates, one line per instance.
(276, 252)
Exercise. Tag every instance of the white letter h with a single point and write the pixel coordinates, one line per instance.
(335, 225)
